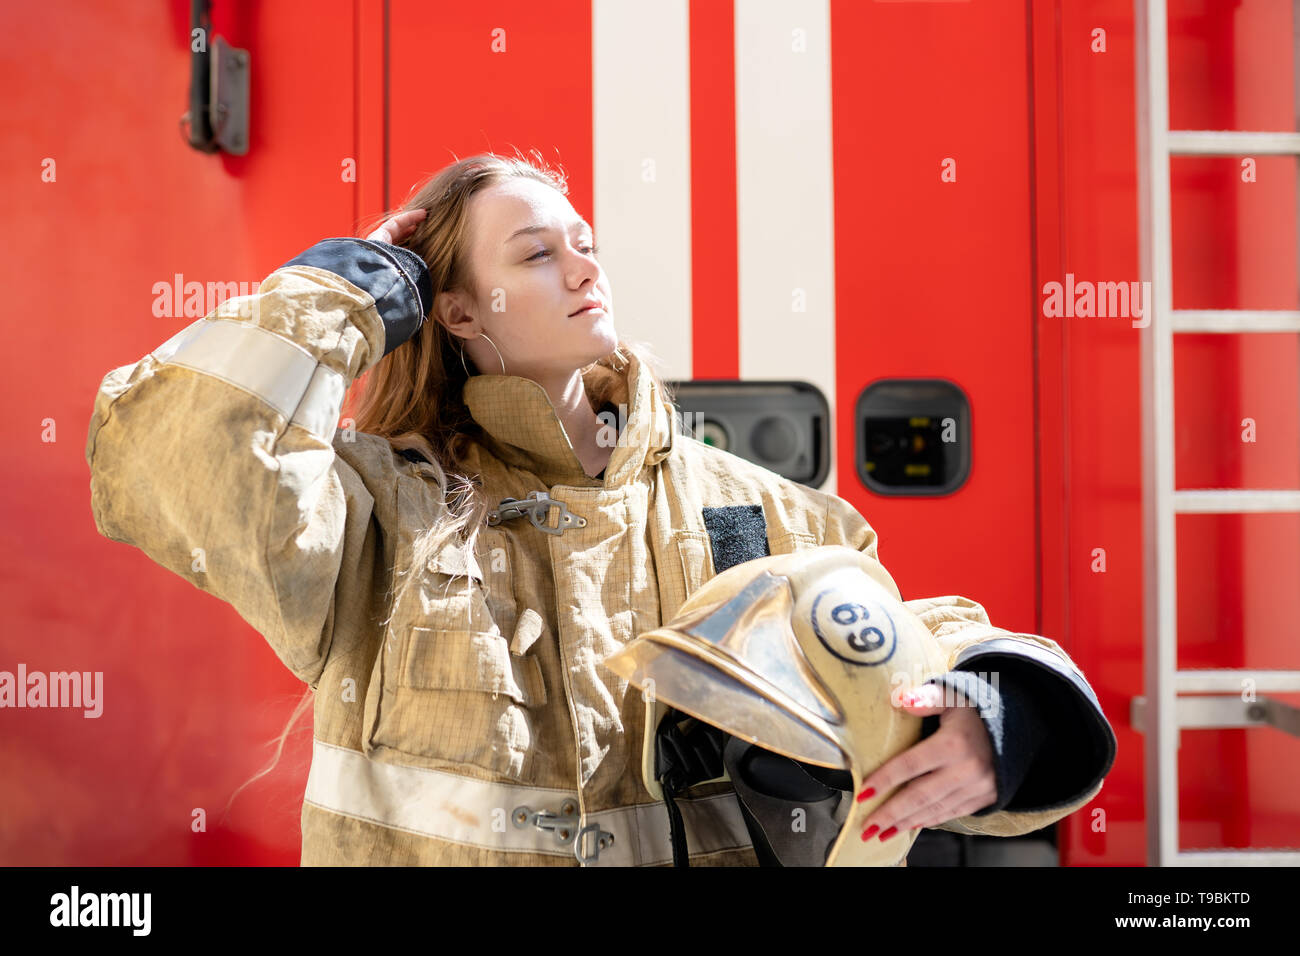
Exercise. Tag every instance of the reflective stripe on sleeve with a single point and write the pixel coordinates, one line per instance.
(318, 411)
(447, 806)
(279, 372)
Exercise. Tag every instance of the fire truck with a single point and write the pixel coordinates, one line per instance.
(1016, 279)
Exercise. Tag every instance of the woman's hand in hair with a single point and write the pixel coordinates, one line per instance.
(399, 227)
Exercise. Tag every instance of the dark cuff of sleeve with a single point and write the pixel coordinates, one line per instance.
(396, 278)
(1016, 726)
(1079, 746)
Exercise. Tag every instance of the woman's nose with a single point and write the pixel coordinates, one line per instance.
(583, 271)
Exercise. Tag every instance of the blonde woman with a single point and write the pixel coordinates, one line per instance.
(514, 502)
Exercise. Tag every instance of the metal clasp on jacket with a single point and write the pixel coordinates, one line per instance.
(565, 827)
(538, 507)
(603, 841)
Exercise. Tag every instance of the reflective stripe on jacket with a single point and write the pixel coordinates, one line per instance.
(478, 727)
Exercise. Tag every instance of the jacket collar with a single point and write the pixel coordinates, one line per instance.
(524, 430)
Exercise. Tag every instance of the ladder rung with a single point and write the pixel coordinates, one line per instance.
(1229, 681)
(1221, 711)
(1228, 708)
(1234, 320)
(1247, 857)
(1215, 142)
(1234, 501)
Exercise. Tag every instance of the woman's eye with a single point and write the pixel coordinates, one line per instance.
(546, 252)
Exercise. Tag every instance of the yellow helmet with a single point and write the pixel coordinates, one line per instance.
(805, 656)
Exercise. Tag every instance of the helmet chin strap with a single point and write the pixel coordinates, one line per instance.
(687, 752)
(771, 789)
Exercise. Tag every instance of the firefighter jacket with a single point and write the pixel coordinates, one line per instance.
(472, 723)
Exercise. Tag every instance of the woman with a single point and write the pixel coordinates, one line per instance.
(447, 572)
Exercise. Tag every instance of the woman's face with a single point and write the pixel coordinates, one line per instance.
(532, 263)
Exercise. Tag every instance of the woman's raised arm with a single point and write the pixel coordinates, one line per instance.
(214, 453)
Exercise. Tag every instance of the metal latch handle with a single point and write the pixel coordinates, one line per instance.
(537, 506)
(565, 827)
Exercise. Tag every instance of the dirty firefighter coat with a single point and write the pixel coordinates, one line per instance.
(485, 692)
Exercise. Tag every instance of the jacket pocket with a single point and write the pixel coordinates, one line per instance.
(470, 661)
(694, 552)
(693, 566)
(456, 697)
(446, 690)
(695, 559)
(789, 542)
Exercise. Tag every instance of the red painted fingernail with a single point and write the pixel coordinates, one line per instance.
(869, 831)
(888, 833)
(867, 794)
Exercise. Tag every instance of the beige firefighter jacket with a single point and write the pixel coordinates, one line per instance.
(479, 726)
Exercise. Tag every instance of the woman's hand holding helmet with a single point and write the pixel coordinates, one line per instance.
(951, 772)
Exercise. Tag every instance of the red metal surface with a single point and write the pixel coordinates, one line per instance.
(1090, 392)
(715, 327)
(191, 693)
(933, 278)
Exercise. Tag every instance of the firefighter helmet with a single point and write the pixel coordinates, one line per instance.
(801, 659)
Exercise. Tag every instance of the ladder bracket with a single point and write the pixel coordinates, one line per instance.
(1214, 711)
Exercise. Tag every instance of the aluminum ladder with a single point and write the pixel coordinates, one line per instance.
(1162, 712)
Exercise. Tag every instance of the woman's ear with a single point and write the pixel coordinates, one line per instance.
(452, 309)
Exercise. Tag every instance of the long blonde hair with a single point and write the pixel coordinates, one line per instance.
(412, 396)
